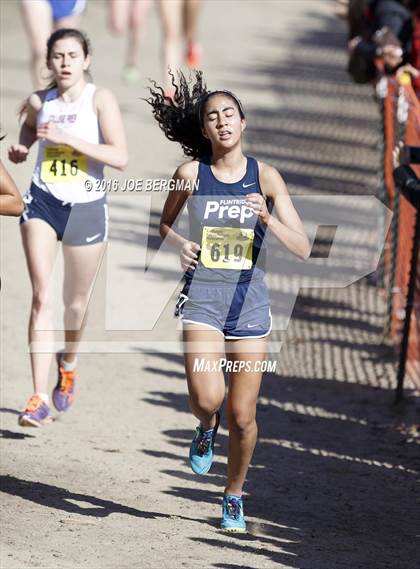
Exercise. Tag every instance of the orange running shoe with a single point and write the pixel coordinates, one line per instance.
(36, 413)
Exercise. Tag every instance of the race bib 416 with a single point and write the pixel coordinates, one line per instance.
(62, 164)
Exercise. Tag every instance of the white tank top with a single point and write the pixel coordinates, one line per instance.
(59, 169)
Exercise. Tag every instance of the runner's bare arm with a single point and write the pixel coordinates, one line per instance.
(27, 135)
(10, 201)
(174, 204)
(288, 228)
(114, 152)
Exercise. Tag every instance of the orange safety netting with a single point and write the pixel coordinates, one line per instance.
(401, 100)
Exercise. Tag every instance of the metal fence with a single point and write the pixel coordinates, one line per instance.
(400, 122)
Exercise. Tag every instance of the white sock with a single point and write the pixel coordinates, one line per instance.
(44, 397)
(68, 366)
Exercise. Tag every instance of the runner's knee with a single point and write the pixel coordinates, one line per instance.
(41, 302)
(241, 419)
(205, 404)
(75, 309)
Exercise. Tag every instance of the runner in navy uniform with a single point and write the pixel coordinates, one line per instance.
(232, 257)
(224, 297)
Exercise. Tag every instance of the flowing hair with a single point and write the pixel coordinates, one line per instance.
(180, 116)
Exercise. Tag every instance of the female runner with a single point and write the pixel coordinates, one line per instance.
(80, 130)
(224, 297)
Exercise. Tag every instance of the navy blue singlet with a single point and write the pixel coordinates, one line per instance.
(231, 236)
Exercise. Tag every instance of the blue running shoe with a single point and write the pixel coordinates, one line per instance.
(233, 514)
(201, 450)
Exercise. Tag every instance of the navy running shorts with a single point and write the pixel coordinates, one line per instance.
(238, 311)
(74, 224)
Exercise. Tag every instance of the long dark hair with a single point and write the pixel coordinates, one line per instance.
(180, 116)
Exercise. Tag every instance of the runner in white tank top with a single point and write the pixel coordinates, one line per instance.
(77, 118)
(80, 130)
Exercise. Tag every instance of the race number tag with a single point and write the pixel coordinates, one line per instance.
(227, 248)
(62, 164)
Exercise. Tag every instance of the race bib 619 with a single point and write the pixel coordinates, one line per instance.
(227, 248)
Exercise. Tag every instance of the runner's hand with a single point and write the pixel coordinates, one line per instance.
(257, 203)
(188, 255)
(18, 153)
(51, 132)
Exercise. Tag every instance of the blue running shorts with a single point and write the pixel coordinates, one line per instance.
(65, 8)
(74, 224)
(240, 311)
